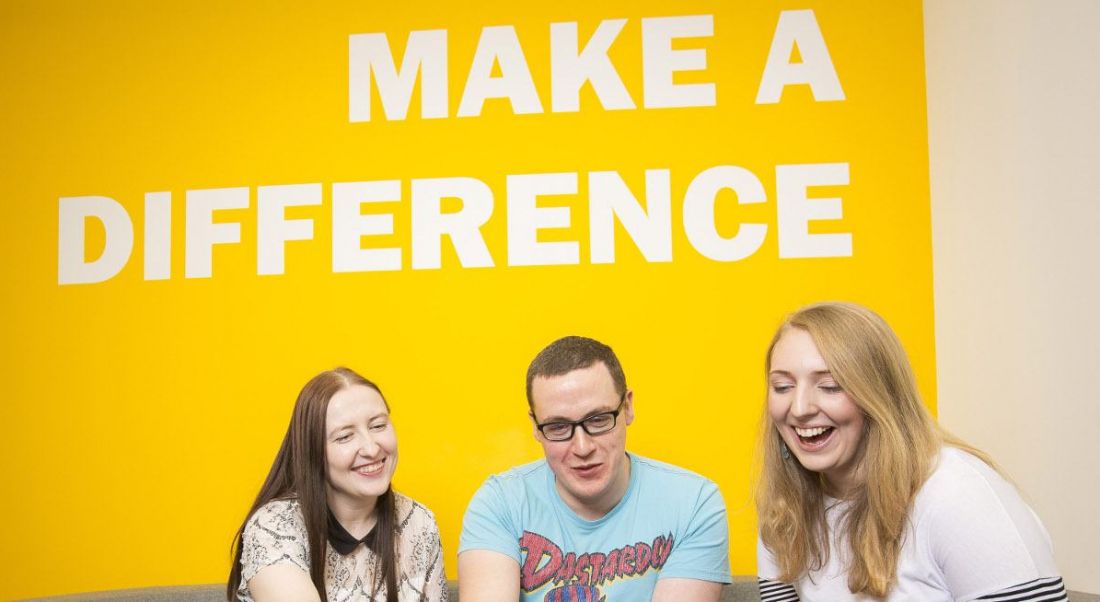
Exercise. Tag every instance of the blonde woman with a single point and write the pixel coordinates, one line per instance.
(863, 496)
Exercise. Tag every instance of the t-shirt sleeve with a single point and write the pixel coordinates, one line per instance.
(985, 539)
(767, 577)
(436, 586)
(489, 523)
(766, 567)
(274, 535)
(424, 557)
(1050, 589)
(703, 551)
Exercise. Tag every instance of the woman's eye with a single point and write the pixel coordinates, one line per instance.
(782, 387)
(379, 426)
(343, 438)
(831, 388)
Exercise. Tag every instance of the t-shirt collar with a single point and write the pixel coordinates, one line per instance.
(592, 524)
(345, 543)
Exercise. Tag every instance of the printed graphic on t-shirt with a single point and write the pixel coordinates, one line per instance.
(578, 576)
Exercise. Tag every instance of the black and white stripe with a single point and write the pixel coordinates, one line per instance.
(1048, 589)
(776, 591)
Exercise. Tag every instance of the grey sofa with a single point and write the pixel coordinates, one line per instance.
(743, 589)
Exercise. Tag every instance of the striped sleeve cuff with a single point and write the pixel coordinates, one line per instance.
(776, 591)
(1048, 589)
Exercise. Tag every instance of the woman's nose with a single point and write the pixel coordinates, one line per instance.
(803, 403)
(368, 447)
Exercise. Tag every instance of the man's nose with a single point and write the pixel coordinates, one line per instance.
(582, 442)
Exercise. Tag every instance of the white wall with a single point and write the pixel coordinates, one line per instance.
(1014, 133)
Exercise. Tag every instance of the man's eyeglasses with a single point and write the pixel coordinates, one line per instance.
(596, 424)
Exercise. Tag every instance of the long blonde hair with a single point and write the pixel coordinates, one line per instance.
(898, 449)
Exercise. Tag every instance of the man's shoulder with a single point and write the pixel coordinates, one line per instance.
(502, 508)
(664, 485)
(523, 473)
(658, 470)
(516, 482)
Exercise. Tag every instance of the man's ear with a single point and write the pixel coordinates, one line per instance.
(628, 406)
(534, 425)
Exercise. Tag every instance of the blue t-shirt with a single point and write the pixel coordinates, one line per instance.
(670, 523)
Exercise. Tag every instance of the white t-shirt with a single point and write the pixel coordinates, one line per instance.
(970, 535)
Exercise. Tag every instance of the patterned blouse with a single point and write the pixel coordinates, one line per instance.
(276, 534)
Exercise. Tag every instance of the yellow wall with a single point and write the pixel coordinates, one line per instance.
(141, 415)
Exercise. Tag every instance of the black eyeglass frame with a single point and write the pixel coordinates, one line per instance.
(573, 424)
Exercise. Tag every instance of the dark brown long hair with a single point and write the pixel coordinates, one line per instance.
(299, 473)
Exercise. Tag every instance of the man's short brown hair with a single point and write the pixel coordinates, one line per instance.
(574, 353)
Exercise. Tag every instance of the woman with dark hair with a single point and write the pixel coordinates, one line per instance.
(863, 496)
(327, 524)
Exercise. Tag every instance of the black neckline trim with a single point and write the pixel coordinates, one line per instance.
(345, 543)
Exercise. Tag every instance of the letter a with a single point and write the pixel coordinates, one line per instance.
(499, 45)
(816, 69)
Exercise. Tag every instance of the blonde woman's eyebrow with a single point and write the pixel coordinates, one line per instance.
(825, 372)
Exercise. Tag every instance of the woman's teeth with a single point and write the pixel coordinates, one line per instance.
(370, 468)
(811, 434)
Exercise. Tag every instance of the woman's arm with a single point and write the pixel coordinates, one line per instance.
(1050, 589)
(435, 580)
(282, 583)
(274, 556)
(984, 538)
(771, 589)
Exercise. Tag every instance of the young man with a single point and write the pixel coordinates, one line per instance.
(591, 522)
